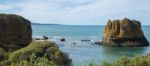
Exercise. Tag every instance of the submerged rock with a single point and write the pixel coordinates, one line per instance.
(86, 40)
(124, 33)
(15, 31)
(40, 38)
(98, 43)
(62, 39)
(45, 37)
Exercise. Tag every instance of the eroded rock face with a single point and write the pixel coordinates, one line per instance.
(124, 33)
(15, 31)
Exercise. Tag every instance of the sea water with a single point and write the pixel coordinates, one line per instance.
(83, 52)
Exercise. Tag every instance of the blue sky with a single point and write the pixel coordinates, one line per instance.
(78, 12)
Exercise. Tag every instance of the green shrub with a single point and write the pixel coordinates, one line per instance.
(105, 64)
(45, 52)
(124, 61)
(3, 54)
(34, 61)
(136, 61)
(38, 47)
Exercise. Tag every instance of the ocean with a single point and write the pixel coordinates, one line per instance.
(84, 52)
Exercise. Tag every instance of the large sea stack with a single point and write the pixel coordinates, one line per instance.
(124, 33)
(15, 31)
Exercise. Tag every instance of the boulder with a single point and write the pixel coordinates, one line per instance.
(124, 33)
(45, 37)
(98, 43)
(62, 39)
(15, 31)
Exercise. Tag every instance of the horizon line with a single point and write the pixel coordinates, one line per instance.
(72, 24)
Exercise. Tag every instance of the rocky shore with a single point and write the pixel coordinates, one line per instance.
(17, 47)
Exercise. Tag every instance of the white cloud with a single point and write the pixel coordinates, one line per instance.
(77, 11)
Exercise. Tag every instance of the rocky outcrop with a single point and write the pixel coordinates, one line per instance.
(15, 31)
(124, 33)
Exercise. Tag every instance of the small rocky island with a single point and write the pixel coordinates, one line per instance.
(124, 33)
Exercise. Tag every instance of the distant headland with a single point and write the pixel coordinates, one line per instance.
(44, 24)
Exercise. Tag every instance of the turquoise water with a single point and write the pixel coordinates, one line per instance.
(84, 52)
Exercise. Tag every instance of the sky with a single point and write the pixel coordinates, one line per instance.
(78, 12)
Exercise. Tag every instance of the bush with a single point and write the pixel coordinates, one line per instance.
(136, 61)
(124, 61)
(3, 54)
(45, 52)
(34, 61)
(38, 47)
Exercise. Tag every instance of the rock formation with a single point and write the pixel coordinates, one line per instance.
(124, 33)
(15, 31)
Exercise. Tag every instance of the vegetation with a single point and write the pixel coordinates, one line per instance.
(38, 53)
(124, 61)
(34, 61)
(3, 54)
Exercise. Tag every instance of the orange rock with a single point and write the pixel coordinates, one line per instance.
(124, 32)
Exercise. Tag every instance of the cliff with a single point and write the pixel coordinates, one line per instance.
(15, 31)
